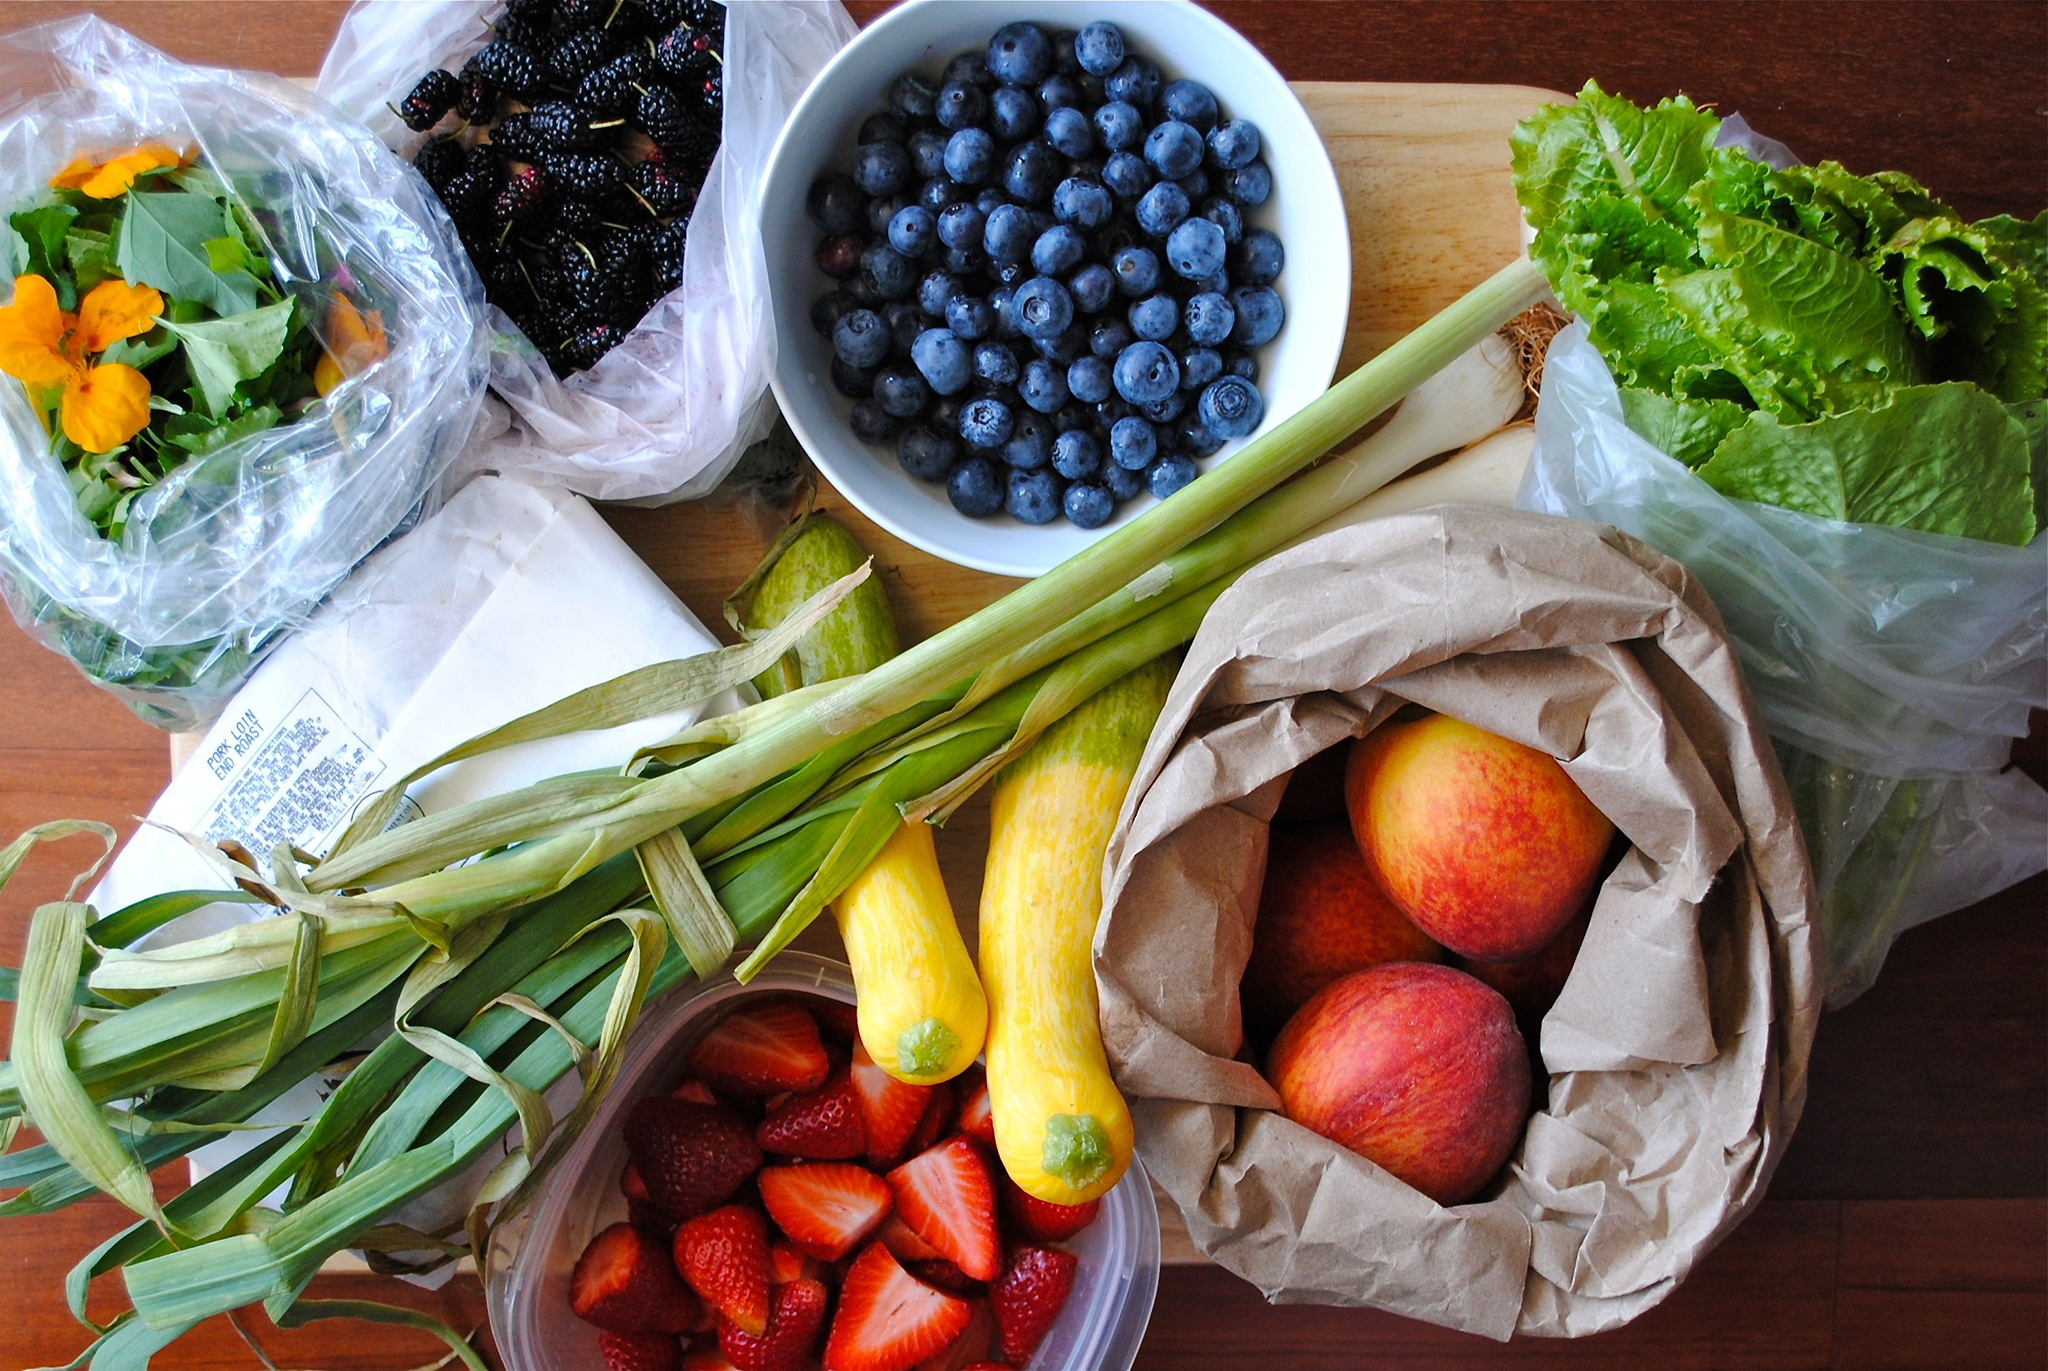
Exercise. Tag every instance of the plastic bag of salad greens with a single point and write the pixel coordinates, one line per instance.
(669, 403)
(1823, 394)
(241, 347)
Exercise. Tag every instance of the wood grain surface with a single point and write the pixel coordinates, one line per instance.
(1906, 1227)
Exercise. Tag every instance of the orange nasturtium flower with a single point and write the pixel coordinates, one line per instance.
(105, 178)
(351, 340)
(102, 405)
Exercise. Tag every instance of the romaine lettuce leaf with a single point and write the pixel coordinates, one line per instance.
(1689, 430)
(2032, 416)
(1603, 145)
(1962, 288)
(1943, 459)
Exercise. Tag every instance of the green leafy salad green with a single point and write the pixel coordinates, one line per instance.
(1841, 345)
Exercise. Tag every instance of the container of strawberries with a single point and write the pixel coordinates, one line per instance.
(756, 1193)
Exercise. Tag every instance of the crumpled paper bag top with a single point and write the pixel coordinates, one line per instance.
(1677, 1052)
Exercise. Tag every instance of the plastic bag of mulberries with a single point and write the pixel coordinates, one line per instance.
(608, 212)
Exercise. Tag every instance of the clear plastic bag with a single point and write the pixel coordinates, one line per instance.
(666, 414)
(1893, 668)
(221, 558)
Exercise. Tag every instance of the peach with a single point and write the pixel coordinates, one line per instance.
(1533, 984)
(1485, 844)
(1321, 915)
(1416, 1067)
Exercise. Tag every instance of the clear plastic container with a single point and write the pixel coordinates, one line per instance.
(526, 1270)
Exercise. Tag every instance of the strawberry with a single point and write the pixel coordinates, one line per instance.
(971, 1347)
(1041, 1220)
(825, 1207)
(823, 1124)
(1028, 1297)
(937, 1118)
(787, 1262)
(888, 1320)
(704, 1356)
(890, 1110)
(976, 1120)
(640, 1351)
(696, 1092)
(946, 1198)
(895, 1235)
(796, 1313)
(624, 1282)
(690, 1156)
(837, 1019)
(724, 1257)
(942, 1273)
(640, 1206)
(760, 1051)
(632, 1185)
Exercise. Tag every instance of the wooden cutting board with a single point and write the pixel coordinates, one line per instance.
(1424, 171)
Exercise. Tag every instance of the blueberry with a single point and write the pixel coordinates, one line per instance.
(1043, 386)
(1075, 417)
(1136, 270)
(927, 153)
(1238, 362)
(1030, 445)
(1194, 185)
(1019, 54)
(828, 309)
(942, 360)
(901, 391)
(970, 317)
(1082, 203)
(860, 339)
(835, 203)
(1032, 497)
(1169, 474)
(1199, 366)
(926, 455)
(1224, 214)
(1012, 114)
(989, 199)
(1107, 412)
(1009, 236)
(969, 154)
(1088, 379)
(1259, 257)
(1110, 337)
(985, 423)
(975, 488)
(911, 96)
(1135, 80)
(905, 321)
(1088, 504)
(1127, 175)
(1165, 411)
(935, 289)
(996, 363)
(1059, 91)
(1065, 347)
(881, 168)
(1231, 407)
(1119, 233)
(1210, 318)
(1196, 438)
(1001, 300)
(1174, 149)
(1091, 287)
(1191, 102)
(1155, 317)
(1123, 483)
(855, 383)
(1120, 126)
(1099, 48)
(1132, 443)
(1146, 372)
(882, 212)
(887, 272)
(1233, 144)
(1250, 184)
(1076, 454)
(1161, 209)
(960, 105)
(1259, 315)
(871, 423)
(1031, 171)
(882, 127)
(1069, 131)
(965, 262)
(1058, 250)
(1195, 249)
(913, 230)
(1043, 307)
(944, 416)
(940, 191)
(971, 67)
(960, 226)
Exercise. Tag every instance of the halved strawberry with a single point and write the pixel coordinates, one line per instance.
(1028, 1298)
(1042, 1220)
(690, 1156)
(796, 1314)
(724, 1257)
(826, 1208)
(888, 1320)
(972, 1347)
(788, 1262)
(942, 1273)
(640, 1351)
(632, 1185)
(889, 1108)
(696, 1092)
(625, 1282)
(640, 1206)
(822, 1124)
(760, 1051)
(976, 1120)
(945, 1196)
(895, 1235)
(937, 1118)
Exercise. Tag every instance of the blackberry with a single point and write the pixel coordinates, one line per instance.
(583, 347)
(524, 194)
(662, 114)
(439, 160)
(613, 87)
(710, 93)
(561, 127)
(667, 194)
(513, 69)
(579, 54)
(687, 52)
(430, 100)
(665, 259)
(478, 102)
(692, 147)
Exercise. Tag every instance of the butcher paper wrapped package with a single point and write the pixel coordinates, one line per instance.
(1677, 1052)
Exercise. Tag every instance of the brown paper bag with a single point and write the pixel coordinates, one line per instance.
(1677, 1052)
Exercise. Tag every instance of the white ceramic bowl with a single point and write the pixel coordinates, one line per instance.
(1305, 210)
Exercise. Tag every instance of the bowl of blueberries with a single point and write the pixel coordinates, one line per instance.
(1034, 267)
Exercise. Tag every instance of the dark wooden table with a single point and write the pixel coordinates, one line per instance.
(1907, 1227)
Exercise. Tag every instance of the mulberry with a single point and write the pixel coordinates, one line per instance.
(587, 175)
(430, 100)
(583, 347)
(613, 87)
(667, 194)
(665, 259)
(524, 194)
(692, 148)
(579, 54)
(687, 52)
(513, 69)
(478, 102)
(439, 160)
(710, 92)
(562, 127)
(662, 114)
